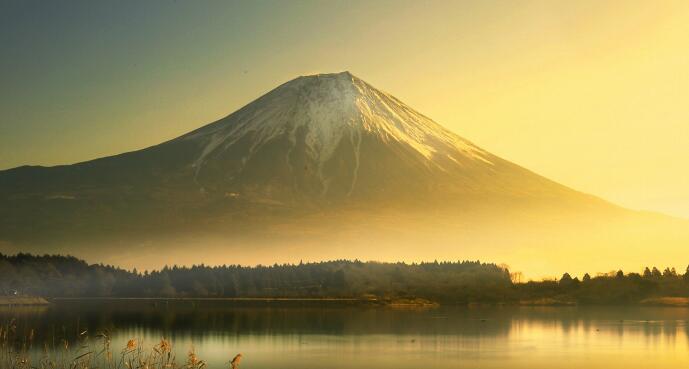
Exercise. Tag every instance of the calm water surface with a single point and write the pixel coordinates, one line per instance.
(278, 336)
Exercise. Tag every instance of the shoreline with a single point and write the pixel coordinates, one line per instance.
(261, 301)
(662, 301)
(23, 301)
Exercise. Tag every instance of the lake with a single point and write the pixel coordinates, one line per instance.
(336, 335)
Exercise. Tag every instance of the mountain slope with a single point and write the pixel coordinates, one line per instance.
(317, 153)
(315, 139)
(329, 137)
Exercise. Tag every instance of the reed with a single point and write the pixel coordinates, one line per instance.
(87, 352)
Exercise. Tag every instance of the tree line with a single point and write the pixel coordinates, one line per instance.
(66, 276)
(458, 282)
(614, 287)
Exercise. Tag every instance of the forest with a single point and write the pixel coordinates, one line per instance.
(461, 282)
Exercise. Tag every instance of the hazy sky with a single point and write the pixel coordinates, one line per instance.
(592, 94)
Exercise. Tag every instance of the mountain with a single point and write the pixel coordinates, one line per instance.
(334, 138)
(319, 158)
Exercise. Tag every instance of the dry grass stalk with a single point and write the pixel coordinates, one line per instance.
(90, 353)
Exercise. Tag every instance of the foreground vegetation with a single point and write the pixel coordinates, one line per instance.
(462, 282)
(88, 353)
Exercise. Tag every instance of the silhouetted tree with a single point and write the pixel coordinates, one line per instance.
(566, 278)
(669, 273)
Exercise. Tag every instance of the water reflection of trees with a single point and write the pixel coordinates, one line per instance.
(67, 319)
(200, 320)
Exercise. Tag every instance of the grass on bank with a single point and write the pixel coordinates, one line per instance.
(19, 352)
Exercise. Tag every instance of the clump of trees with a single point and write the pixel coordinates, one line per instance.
(610, 288)
(448, 282)
(65, 276)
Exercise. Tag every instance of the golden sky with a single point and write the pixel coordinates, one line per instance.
(593, 94)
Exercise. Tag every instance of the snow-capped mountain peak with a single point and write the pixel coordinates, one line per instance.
(327, 109)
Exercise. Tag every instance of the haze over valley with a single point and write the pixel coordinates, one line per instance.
(323, 167)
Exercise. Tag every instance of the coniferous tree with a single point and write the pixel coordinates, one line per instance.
(566, 278)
